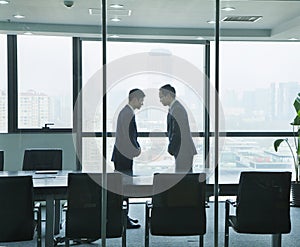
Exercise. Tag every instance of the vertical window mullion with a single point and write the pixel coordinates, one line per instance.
(77, 98)
(12, 83)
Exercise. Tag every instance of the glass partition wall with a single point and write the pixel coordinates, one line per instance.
(252, 71)
(154, 51)
(259, 82)
(151, 119)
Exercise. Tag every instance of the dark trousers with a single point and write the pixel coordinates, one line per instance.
(125, 166)
(122, 163)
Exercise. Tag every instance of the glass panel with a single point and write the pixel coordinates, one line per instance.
(44, 81)
(257, 92)
(92, 83)
(3, 84)
(152, 115)
(259, 81)
(259, 78)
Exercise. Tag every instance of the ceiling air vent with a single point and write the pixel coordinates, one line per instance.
(241, 18)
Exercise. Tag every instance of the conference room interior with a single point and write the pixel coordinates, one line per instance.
(234, 65)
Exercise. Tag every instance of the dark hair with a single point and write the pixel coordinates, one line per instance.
(168, 89)
(136, 93)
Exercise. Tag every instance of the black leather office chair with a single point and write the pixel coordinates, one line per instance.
(1, 160)
(42, 159)
(17, 210)
(262, 206)
(179, 210)
(83, 216)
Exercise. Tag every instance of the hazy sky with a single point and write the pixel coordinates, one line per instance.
(243, 65)
(248, 65)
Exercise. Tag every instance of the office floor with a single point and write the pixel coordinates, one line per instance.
(135, 237)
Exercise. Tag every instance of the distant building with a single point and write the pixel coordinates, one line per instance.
(34, 109)
(3, 111)
(282, 98)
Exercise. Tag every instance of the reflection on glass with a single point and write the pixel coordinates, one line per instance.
(44, 81)
(154, 156)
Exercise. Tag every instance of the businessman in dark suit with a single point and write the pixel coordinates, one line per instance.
(126, 145)
(181, 144)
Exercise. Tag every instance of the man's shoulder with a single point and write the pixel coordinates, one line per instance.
(126, 109)
(126, 112)
(178, 106)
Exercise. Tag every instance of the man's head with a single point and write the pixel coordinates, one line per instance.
(136, 98)
(167, 94)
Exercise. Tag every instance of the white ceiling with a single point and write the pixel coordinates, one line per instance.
(154, 18)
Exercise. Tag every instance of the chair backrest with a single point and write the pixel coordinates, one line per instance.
(180, 209)
(42, 159)
(1, 160)
(83, 218)
(263, 202)
(16, 209)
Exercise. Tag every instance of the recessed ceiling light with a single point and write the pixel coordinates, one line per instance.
(4, 2)
(18, 16)
(228, 8)
(199, 37)
(293, 39)
(211, 22)
(115, 19)
(114, 36)
(116, 6)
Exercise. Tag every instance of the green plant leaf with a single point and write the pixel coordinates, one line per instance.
(297, 104)
(277, 143)
(296, 121)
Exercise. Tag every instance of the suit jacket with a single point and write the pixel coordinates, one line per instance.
(126, 144)
(179, 134)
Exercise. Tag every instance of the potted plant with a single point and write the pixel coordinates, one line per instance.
(295, 186)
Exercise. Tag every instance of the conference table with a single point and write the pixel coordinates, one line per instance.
(50, 186)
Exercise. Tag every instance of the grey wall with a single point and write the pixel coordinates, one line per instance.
(15, 144)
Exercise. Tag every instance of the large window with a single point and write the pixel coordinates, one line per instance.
(3, 84)
(258, 84)
(44, 81)
(125, 73)
(151, 116)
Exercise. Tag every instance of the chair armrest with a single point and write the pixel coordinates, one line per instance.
(228, 203)
(37, 209)
(231, 202)
(148, 205)
(125, 205)
(65, 206)
(37, 206)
